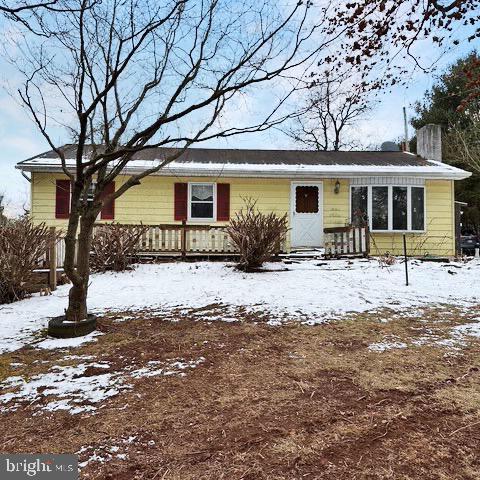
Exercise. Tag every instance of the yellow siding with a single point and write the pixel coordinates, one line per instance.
(152, 203)
(43, 199)
(335, 205)
(439, 238)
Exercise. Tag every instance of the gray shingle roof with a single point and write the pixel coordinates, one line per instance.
(265, 163)
(269, 157)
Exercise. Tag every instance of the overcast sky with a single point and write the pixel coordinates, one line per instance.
(20, 139)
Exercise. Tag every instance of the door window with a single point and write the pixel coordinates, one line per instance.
(306, 199)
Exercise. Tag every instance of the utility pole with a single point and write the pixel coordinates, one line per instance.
(406, 142)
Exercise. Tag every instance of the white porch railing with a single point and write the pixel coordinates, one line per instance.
(169, 239)
(185, 239)
(347, 240)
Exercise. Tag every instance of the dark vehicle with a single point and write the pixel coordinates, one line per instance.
(468, 243)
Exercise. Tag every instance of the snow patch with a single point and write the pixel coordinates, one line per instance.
(382, 346)
(53, 343)
(471, 329)
(173, 367)
(77, 392)
(105, 453)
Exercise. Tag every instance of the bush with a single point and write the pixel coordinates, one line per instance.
(387, 260)
(114, 246)
(257, 236)
(22, 247)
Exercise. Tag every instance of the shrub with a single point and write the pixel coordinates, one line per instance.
(114, 247)
(22, 247)
(387, 260)
(257, 236)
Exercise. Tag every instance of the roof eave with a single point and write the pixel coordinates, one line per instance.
(453, 174)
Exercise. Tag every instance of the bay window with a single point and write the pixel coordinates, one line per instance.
(399, 208)
(418, 208)
(359, 206)
(388, 208)
(379, 208)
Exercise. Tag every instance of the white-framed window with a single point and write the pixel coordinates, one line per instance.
(90, 194)
(388, 208)
(202, 201)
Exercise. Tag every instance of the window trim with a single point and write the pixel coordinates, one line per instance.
(189, 202)
(93, 186)
(390, 207)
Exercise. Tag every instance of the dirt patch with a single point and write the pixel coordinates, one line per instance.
(246, 400)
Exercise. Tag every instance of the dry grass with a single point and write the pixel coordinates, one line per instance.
(290, 402)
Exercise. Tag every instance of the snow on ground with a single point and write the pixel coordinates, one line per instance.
(472, 329)
(310, 291)
(174, 367)
(105, 453)
(81, 388)
(67, 383)
(53, 343)
(382, 346)
(455, 341)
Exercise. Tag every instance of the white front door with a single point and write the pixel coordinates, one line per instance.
(306, 214)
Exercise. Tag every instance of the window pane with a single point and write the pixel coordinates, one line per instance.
(399, 208)
(202, 210)
(418, 211)
(90, 192)
(202, 193)
(380, 208)
(359, 206)
(306, 199)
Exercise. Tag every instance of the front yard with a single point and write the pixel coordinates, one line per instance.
(328, 370)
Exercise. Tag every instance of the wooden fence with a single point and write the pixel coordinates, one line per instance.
(168, 239)
(346, 241)
(185, 239)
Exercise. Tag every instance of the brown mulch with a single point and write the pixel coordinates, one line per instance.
(289, 402)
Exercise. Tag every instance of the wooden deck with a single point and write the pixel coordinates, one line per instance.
(168, 240)
(183, 240)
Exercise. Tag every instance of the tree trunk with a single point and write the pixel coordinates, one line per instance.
(77, 297)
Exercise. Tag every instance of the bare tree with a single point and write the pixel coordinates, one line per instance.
(332, 107)
(16, 9)
(137, 74)
(463, 144)
(127, 75)
(30, 13)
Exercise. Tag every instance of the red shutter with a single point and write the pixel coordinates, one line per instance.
(223, 202)
(62, 199)
(108, 210)
(181, 194)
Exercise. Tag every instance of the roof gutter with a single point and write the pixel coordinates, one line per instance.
(453, 174)
(24, 175)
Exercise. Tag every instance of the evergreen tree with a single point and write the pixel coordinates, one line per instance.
(442, 105)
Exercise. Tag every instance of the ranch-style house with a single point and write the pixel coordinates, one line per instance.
(392, 192)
